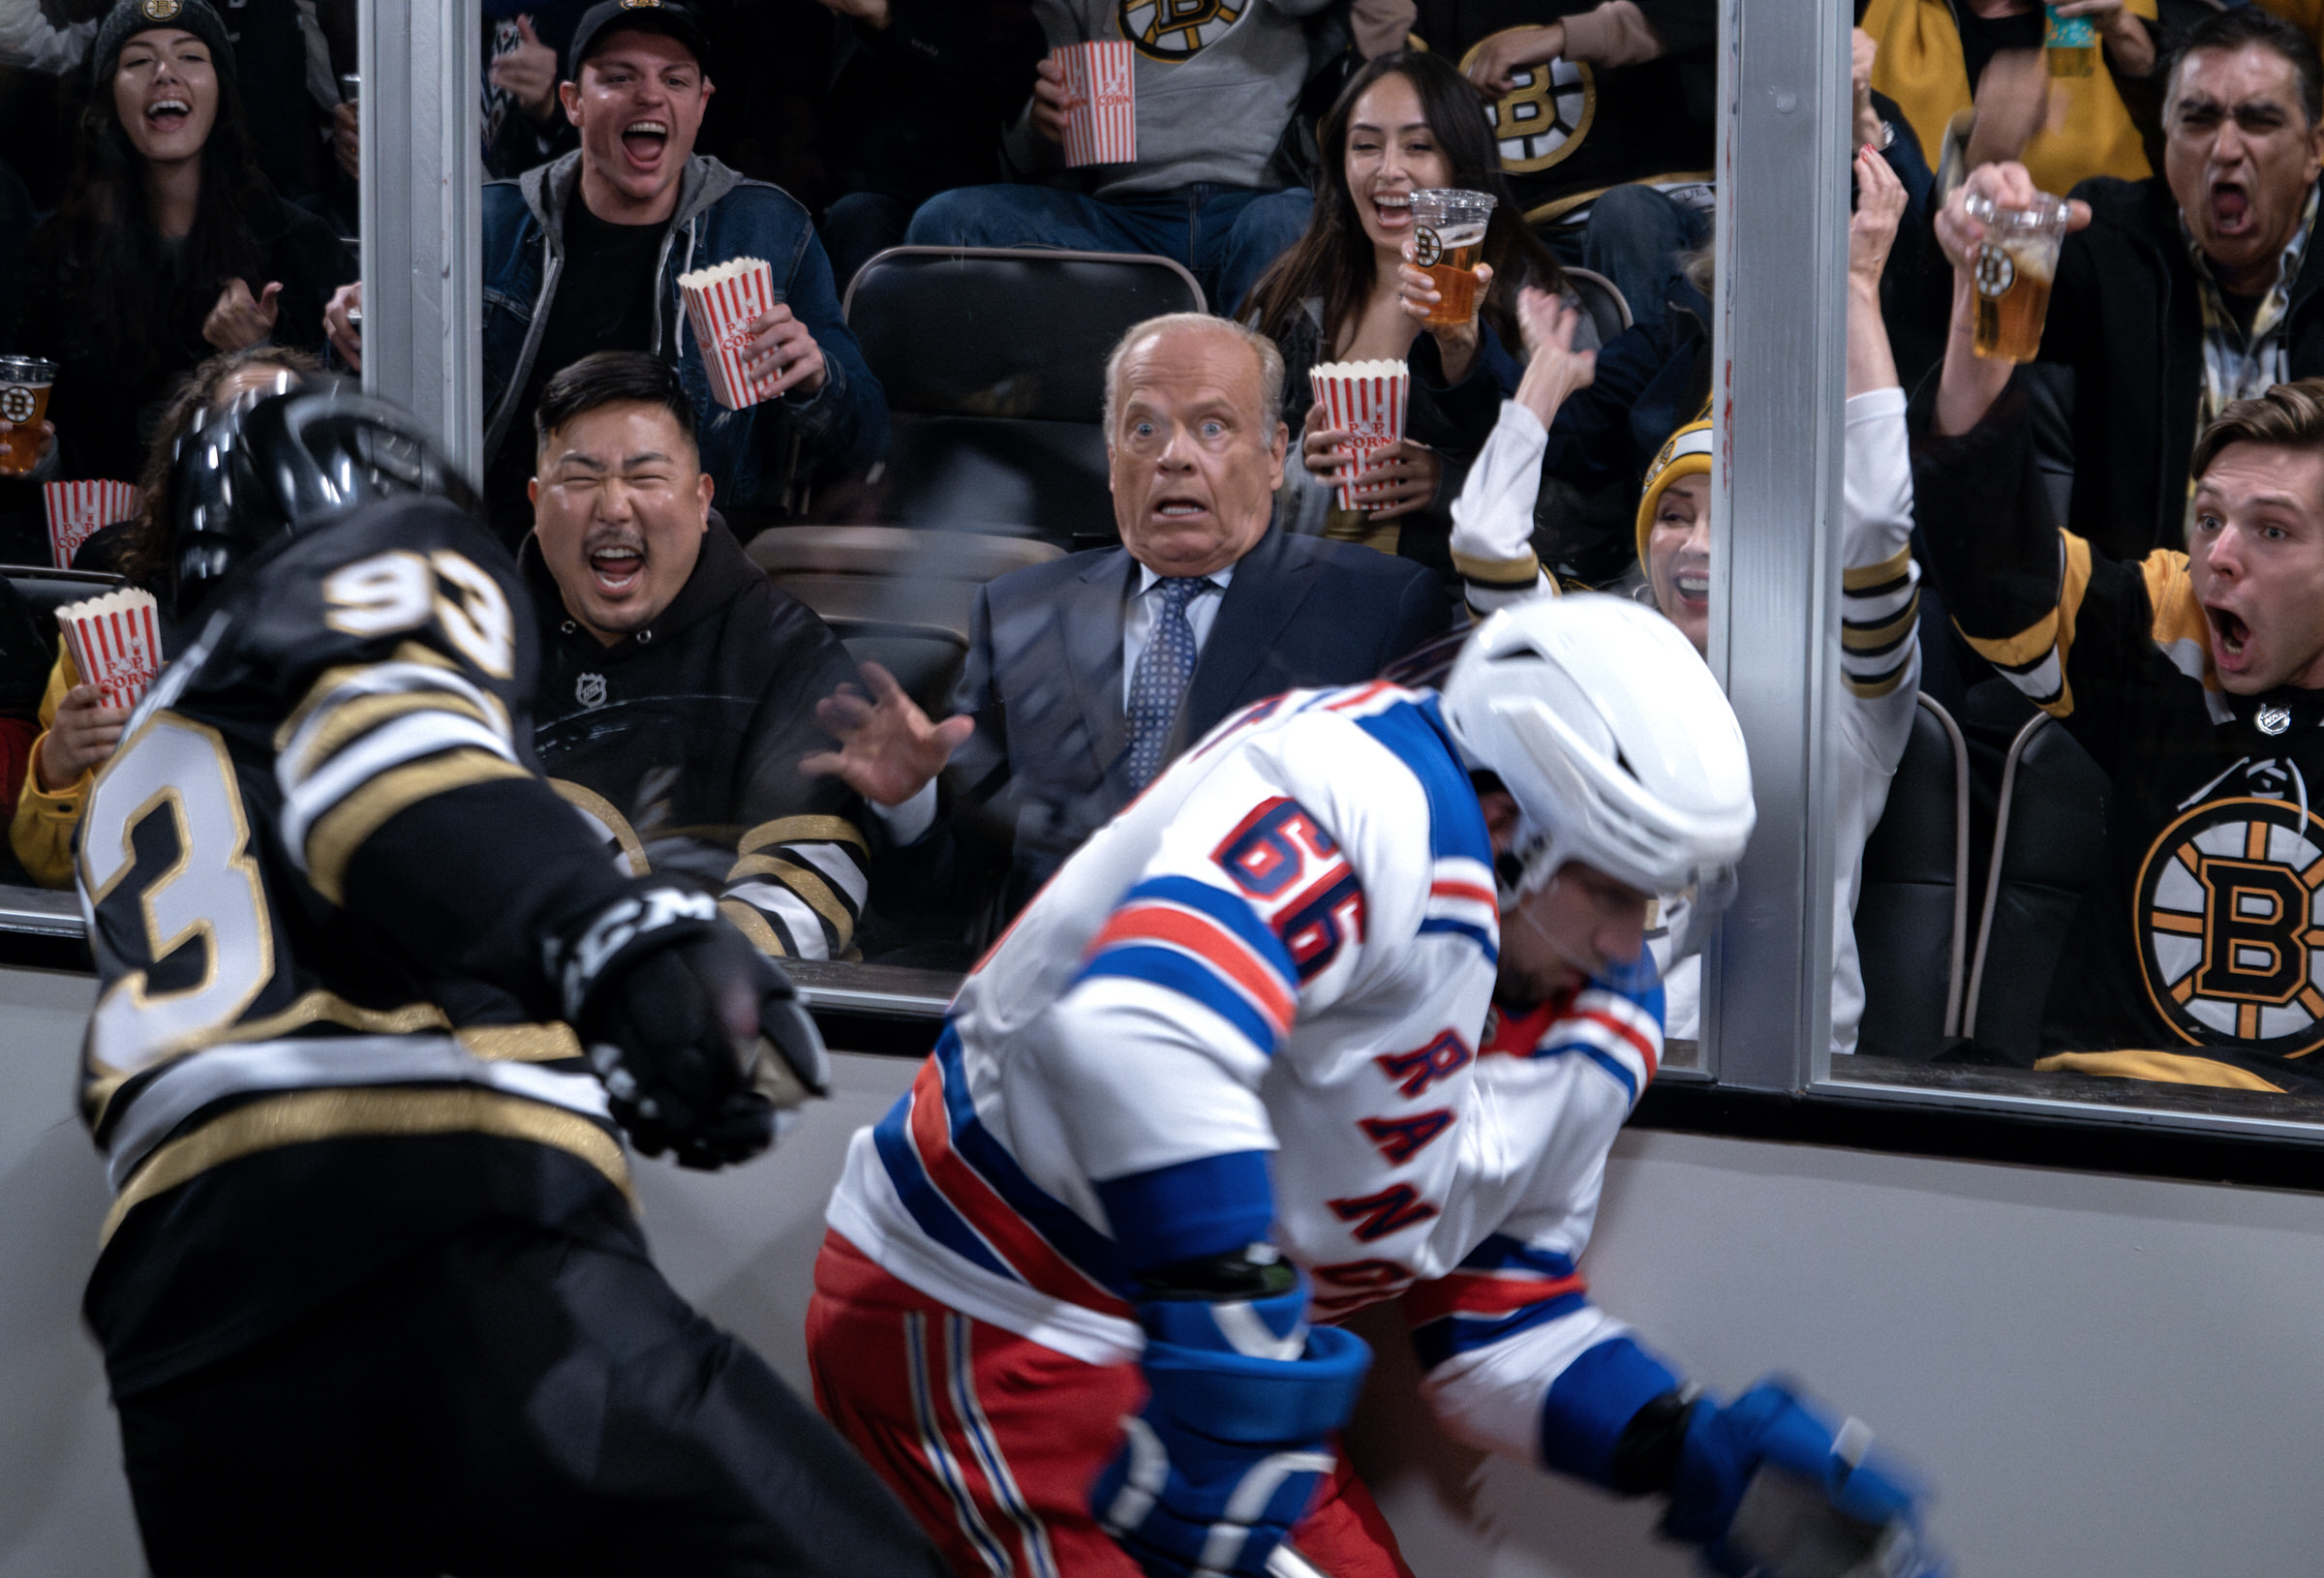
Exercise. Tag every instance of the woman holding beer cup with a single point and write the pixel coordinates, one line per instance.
(169, 245)
(1349, 291)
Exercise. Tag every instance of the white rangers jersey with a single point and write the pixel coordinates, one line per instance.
(1880, 648)
(1288, 944)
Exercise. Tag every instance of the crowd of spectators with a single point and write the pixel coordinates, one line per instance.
(178, 219)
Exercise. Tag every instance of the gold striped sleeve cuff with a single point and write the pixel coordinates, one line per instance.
(2168, 1067)
(341, 830)
(306, 1115)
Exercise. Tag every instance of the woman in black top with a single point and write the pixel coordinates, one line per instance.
(1405, 122)
(169, 245)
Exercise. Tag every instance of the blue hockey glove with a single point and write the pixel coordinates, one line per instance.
(1772, 1488)
(698, 1036)
(1226, 1455)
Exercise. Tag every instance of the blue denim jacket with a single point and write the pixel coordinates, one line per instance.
(755, 454)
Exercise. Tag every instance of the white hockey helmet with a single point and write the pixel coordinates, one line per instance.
(1601, 719)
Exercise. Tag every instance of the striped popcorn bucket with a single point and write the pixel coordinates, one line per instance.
(116, 643)
(722, 303)
(1101, 108)
(1365, 399)
(76, 509)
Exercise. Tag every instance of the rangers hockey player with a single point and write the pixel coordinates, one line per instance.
(1345, 1007)
(373, 1298)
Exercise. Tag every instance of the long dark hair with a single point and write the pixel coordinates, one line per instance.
(120, 285)
(145, 552)
(1334, 260)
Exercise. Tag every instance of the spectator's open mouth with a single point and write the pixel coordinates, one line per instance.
(2230, 208)
(618, 570)
(1393, 210)
(643, 142)
(2230, 636)
(167, 114)
(1179, 508)
(1691, 579)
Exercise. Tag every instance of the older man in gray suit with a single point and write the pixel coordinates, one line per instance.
(1086, 676)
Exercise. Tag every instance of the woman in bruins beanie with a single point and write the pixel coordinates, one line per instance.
(171, 245)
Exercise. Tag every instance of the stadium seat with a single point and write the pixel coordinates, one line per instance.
(46, 591)
(994, 363)
(28, 627)
(1603, 299)
(899, 598)
(2049, 845)
(1912, 904)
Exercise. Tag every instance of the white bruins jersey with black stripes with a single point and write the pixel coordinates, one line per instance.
(351, 676)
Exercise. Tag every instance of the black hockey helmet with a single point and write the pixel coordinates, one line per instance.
(274, 465)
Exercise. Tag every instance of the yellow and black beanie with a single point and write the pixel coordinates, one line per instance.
(1685, 453)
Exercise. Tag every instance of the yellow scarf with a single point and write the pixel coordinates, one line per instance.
(1920, 65)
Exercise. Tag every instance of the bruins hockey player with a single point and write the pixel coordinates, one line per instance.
(372, 1295)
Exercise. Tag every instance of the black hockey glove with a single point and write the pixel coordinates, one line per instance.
(699, 1037)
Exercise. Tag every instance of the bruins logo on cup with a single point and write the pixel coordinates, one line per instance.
(1997, 272)
(1543, 118)
(1175, 30)
(1427, 245)
(159, 10)
(16, 405)
(2231, 931)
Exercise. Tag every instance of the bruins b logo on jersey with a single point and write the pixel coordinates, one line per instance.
(1175, 30)
(2231, 927)
(1544, 119)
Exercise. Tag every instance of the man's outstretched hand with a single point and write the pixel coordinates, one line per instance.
(888, 748)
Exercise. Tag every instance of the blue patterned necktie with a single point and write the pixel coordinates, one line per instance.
(1159, 685)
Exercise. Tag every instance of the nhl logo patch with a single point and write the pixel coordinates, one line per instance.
(2272, 718)
(159, 10)
(590, 690)
(1997, 272)
(2231, 927)
(1426, 246)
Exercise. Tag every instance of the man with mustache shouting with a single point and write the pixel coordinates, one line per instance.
(2191, 290)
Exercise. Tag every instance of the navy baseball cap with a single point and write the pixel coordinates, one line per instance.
(610, 16)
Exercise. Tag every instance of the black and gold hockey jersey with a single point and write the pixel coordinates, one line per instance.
(2199, 957)
(319, 875)
(1567, 131)
(682, 742)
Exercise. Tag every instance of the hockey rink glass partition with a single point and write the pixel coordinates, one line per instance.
(2048, 813)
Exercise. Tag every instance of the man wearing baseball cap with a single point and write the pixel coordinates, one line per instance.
(584, 253)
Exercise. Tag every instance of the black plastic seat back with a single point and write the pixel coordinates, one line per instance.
(2049, 847)
(28, 627)
(993, 364)
(1912, 903)
(900, 598)
(1601, 298)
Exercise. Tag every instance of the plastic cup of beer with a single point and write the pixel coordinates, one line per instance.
(2015, 264)
(24, 382)
(1448, 237)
